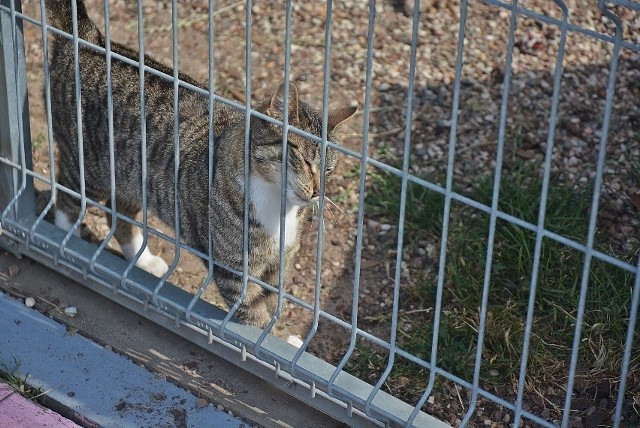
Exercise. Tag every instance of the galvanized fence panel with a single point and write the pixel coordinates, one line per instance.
(329, 387)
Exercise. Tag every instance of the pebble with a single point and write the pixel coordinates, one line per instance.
(30, 302)
(220, 407)
(71, 311)
(298, 266)
(385, 227)
(201, 403)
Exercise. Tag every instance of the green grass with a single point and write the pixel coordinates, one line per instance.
(556, 299)
(11, 376)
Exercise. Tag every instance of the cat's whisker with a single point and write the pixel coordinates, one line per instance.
(314, 207)
(339, 209)
(333, 217)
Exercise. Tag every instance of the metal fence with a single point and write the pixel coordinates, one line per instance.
(25, 231)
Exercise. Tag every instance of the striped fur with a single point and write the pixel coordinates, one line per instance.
(219, 206)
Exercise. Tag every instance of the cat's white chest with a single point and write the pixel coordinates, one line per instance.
(265, 198)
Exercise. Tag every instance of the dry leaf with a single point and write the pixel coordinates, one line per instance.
(13, 270)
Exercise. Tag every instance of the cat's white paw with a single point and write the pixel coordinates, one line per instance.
(152, 264)
(295, 341)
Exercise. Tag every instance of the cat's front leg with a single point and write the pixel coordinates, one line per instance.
(131, 241)
(147, 261)
(258, 304)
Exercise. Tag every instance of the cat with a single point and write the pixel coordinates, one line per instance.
(225, 193)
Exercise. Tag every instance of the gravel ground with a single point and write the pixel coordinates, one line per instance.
(579, 129)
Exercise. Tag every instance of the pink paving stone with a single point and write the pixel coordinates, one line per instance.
(16, 411)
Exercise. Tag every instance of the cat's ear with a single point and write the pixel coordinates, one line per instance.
(339, 115)
(276, 106)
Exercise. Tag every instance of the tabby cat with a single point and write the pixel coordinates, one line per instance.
(225, 193)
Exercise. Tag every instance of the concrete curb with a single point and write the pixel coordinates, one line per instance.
(87, 379)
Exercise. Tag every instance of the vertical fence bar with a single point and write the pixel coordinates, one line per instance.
(47, 101)
(17, 199)
(143, 151)
(75, 228)
(176, 150)
(364, 153)
(112, 165)
(323, 165)
(494, 211)
(283, 175)
(211, 173)
(593, 218)
(628, 347)
(403, 206)
(246, 173)
(553, 119)
(453, 138)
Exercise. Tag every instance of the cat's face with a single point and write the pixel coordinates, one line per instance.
(303, 166)
(304, 171)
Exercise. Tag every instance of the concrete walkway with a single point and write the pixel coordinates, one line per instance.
(83, 373)
(89, 383)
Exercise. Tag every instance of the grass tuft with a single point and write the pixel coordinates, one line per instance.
(12, 377)
(560, 270)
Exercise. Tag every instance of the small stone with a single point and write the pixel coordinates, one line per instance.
(71, 311)
(298, 266)
(431, 399)
(384, 87)
(13, 270)
(506, 418)
(487, 422)
(422, 252)
(220, 407)
(201, 403)
(230, 413)
(108, 347)
(494, 372)
(30, 302)
(443, 123)
(385, 227)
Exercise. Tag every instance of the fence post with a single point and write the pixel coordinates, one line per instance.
(16, 186)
